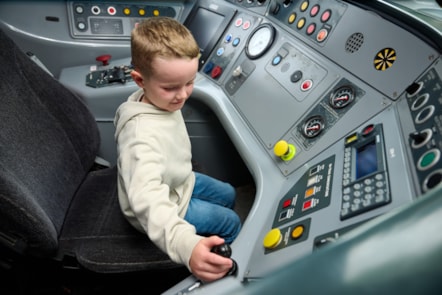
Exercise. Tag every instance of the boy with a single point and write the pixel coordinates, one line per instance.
(183, 212)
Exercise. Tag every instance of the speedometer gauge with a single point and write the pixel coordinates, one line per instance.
(313, 126)
(342, 97)
(260, 40)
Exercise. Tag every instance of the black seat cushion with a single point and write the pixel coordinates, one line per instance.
(108, 244)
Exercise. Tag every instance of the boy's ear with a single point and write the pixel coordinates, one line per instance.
(138, 78)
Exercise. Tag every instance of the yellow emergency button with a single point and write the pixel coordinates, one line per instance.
(297, 232)
(272, 238)
(284, 150)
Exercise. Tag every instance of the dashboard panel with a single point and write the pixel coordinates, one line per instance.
(334, 106)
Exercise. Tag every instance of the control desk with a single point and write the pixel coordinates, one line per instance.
(334, 106)
(336, 111)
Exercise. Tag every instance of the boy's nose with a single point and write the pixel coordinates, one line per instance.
(182, 93)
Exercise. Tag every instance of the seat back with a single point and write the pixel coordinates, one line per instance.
(48, 142)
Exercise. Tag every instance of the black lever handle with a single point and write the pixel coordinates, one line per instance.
(225, 251)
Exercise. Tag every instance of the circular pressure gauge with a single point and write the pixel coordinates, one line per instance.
(342, 97)
(260, 40)
(313, 126)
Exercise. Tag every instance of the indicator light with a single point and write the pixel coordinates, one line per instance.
(297, 232)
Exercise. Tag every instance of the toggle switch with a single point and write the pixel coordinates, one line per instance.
(286, 151)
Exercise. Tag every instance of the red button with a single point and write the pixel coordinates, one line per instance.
(307, 205)
(326, 15)
(111, 10)
(314, 11)
(104, 59)
(286, 203)
(216, 72)
(311, 29)
(367, 130)
(246, 25)
(306, 85)
(322, 34)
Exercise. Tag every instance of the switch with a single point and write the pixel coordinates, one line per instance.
(216, 72)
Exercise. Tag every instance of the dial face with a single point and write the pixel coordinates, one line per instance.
(342, 97)
(260, 41)
(313, 126)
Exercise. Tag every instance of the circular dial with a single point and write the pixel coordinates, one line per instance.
(342, 97)
(313, 126)
(260, 40)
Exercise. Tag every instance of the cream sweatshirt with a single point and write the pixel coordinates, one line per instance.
(155, 177)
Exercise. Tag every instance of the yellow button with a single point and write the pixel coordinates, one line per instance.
(281, 148)
(304, 6)
(126, 11)
(156, 12)
(300, 23)
(297, 232)
(292, 18)
(141, 11)
(272, 238)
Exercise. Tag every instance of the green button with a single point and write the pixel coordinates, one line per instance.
(428, 159)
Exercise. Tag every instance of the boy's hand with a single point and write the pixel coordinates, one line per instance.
(206, 265)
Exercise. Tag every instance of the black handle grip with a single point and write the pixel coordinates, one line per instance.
(225, 251)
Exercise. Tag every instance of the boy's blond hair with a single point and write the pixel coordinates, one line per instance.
(160, 37)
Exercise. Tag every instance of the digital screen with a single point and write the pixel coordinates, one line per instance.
(204, 26)
(366, 160)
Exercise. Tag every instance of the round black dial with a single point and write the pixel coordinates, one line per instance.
(313, 126)
(342, 97)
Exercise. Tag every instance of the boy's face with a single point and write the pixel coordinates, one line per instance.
(171, 83)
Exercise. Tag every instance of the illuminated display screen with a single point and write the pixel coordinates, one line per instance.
(366, 160)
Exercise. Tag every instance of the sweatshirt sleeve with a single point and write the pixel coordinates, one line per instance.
(153, 202)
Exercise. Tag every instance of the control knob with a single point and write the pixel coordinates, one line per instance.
(225, 251)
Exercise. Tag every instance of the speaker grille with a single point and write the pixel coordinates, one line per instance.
(354, 42)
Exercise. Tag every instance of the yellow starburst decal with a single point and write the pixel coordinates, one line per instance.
(384, 59)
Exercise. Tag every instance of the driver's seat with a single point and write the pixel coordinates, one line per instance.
(54, 204)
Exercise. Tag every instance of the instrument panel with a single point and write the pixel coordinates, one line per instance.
(333, 106)
(339, 103)
(330, 108)
(113, 20)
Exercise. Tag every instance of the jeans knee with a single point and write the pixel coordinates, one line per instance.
(234, 228)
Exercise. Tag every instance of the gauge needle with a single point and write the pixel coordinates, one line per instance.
(344, 97)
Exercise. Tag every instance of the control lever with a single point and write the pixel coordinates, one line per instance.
(225, 251)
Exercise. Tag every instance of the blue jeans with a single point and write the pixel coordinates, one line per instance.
(211, 208)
